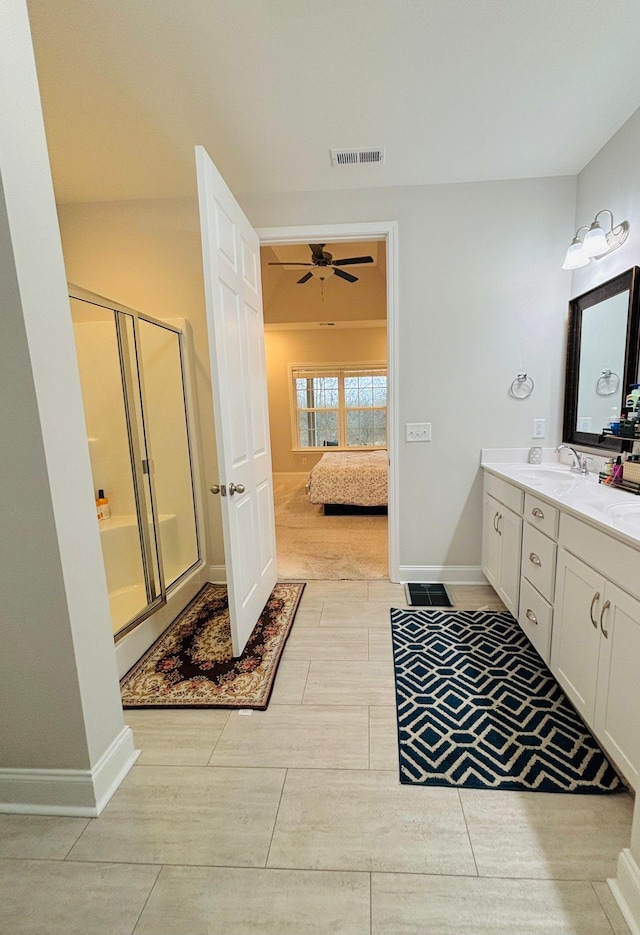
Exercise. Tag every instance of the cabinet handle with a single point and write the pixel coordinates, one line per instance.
(596, 597)
(535, 560)
(537, 513)
(495, 522)
(532, 617)
(605, 608)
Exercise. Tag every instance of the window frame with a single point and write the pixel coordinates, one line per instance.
(340, 370)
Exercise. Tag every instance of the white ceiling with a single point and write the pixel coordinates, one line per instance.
(457, 90)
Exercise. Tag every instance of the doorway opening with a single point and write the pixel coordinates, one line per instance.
(329, 344)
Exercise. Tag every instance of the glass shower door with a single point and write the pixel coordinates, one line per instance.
(128, 543)
(166, 414)
(133, 386)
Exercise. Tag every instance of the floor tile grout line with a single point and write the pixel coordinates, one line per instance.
(89, 820)
(153, 886)
(275, 821)
(466, 824)
(404, 872)
(370, 903)
(603, 907)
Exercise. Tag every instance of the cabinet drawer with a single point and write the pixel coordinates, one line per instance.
(506, 493)
(541, 515)
(535, 618)
(539, 560)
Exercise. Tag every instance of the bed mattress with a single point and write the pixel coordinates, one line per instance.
(350, 477)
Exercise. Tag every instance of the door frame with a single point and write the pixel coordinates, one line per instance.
(366, 230)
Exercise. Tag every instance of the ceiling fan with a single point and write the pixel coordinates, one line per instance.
(324, 261)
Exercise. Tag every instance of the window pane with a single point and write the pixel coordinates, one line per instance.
(317, 392)
(366, 427)
(316, 428)
(366, 390)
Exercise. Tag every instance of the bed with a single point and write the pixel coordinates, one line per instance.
(353, 479)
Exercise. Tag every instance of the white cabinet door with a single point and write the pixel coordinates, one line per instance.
(575, 644)
(491, 541)
(617, 716)
(510, 530)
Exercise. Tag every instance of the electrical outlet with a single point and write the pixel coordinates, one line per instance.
(304, 461)
(539, 428)
(584, 424)
(418, 431)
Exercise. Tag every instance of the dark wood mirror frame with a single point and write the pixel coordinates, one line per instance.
(630, 280)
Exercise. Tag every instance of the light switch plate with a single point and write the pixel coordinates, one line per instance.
(539, 428)
(418, 431)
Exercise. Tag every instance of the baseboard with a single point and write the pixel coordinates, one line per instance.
(72, 792)
(217, 574)
(442, 574)
(626, 890)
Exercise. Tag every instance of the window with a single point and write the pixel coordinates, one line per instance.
(342, 407)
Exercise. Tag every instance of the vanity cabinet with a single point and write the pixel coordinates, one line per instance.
(502, 534)
(595, 657)
(575, 591)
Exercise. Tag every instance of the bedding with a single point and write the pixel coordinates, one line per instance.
(357, 478)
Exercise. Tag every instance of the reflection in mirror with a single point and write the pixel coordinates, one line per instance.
(602, 350)
(602, 361)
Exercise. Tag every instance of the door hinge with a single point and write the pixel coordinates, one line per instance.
(147, 466)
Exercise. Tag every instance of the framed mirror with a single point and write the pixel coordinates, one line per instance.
(602, 360)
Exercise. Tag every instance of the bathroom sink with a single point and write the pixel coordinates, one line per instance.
(626, 513)
(533, 474)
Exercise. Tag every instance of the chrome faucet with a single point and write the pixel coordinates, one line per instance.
(580, 462)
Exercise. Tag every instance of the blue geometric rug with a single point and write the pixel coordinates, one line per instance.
(478, 708)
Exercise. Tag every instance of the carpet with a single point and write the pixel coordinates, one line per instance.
(478, 708)
(313, 547)
(191, 665)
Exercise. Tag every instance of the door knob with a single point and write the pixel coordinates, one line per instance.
(215, 489)
(235, 488)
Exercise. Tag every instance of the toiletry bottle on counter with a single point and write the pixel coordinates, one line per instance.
(617, 471)
(102, 506)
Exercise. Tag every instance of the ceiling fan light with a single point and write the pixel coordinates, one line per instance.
(576, 256)
(322, 272)
(595, 241)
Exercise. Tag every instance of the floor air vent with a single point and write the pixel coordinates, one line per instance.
(357, 157)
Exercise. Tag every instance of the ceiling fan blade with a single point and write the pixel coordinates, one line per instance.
(304, 278)
(290, 263)
(353, 259)
(341, 273)
(317, 250)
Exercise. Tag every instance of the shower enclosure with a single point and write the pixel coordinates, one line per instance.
(132, 373)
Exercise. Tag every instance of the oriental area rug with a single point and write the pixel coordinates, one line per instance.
(191, 665)
(478, 708)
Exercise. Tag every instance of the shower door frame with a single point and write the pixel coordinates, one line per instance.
(131, 371)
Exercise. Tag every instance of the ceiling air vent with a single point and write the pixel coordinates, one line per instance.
(357, 157)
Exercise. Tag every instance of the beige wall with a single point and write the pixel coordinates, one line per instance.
(147, 255)
(60, 700)
(317, 346)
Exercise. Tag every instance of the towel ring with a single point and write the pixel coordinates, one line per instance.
(522, 387)
(608, 383)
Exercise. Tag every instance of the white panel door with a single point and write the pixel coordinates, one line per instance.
(510, 530)
(491, 546)
(233, 291)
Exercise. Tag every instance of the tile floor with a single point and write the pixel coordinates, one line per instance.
(292, 820)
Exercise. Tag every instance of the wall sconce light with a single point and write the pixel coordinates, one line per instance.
(596, 243)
